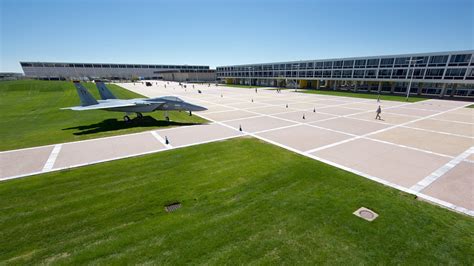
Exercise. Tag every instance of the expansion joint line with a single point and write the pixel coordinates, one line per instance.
(442, 170)
(52, 158)
(161, 140)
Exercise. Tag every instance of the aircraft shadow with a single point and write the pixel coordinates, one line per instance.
(114, 124)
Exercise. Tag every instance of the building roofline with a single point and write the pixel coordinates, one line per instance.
(354, 58)
(129, 64)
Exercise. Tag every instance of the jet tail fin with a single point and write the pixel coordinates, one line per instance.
(105, 93)
(85, 96)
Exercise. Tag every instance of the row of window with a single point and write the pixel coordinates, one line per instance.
(420, 61)
(26, 64)
(187, 71)
(402, 73)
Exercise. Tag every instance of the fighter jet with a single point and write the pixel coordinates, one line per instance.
(140, 105)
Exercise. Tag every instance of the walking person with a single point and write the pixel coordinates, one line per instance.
(379, 110)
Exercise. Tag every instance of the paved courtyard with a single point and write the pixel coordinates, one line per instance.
(423, 148)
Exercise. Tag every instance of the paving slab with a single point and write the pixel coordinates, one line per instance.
(281, 102)
(450, 103)
(457, 116)
(430, 141)
(225, 100)
(215, 108)
(463, 111)
(337, 110)
(470, 157)
(456, 186)
(319, 103)
(269, 110)
(395, 164)
(246, 97)
(364, 106)
(258, 123)
(431, 105)
(352, 126)
(228, 115)
(393, 119)
(389, 103)
(196, 134)
(24, 161)
(445, 126)
(83, 152)
(410, 111)
(329, 102)
(248, 105)
(304, 137)
(304, 106)
(309, 116)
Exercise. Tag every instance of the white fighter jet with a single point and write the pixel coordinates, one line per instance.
(140, 105)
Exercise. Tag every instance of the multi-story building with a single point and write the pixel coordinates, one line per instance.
(52, 71)
(10, 76)
(442, 74)
(208, 75)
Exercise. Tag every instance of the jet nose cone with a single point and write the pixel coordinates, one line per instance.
(197, 108)
(193, 107)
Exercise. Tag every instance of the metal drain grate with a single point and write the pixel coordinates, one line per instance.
(366, 214)
(172, 207)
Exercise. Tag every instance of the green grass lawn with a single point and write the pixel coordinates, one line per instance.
(31, 115)
(470, 106)
(384, 97)
(243, 201)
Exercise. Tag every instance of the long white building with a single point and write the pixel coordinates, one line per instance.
(61, 71)
(443, 74)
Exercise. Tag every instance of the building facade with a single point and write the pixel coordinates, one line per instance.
(90, 71)
(202, 75)
(443, 74)
(11, 76)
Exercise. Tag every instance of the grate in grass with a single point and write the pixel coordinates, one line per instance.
(366, 214)
(172, 207)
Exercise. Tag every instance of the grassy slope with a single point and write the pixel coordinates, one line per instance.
(384, 97)
(343, 93)
(470, 106)
(243, 201)
(31, 115)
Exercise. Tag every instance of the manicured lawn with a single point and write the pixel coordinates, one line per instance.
(31, 115)
(243, 201)
(383, 97)
(470, 106)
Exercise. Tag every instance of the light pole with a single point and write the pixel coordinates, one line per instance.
(412, 72)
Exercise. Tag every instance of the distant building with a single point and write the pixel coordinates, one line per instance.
(442, 74)
(205, 75)
(90, 71)
(10, 76)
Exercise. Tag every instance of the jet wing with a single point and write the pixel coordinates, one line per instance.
(99, 106)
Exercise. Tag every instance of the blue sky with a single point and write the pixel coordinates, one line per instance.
(227, 32)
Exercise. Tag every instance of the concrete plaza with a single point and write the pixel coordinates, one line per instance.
(424, 148)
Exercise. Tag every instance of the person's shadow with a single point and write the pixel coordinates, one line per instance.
(114, 124)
